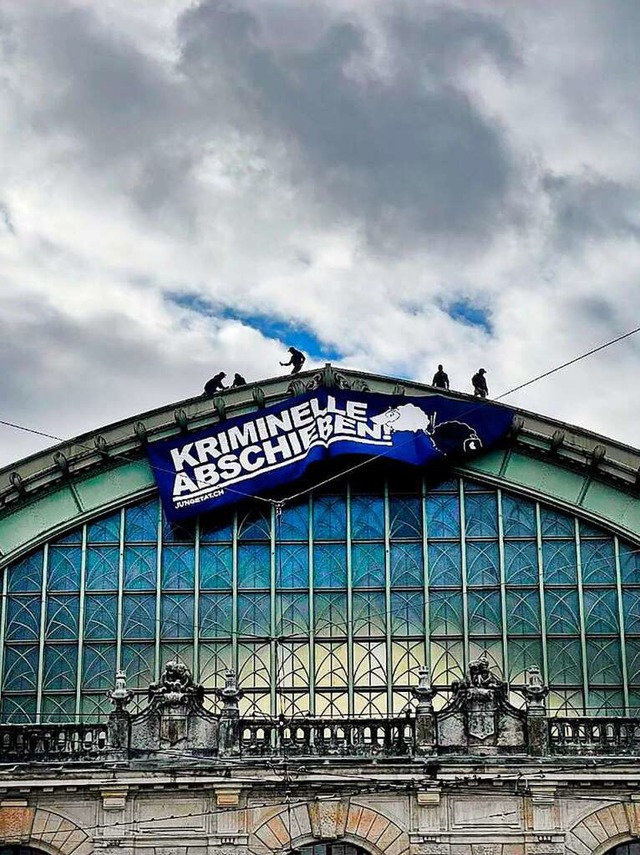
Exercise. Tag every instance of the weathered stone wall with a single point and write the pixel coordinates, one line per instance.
(196, 814)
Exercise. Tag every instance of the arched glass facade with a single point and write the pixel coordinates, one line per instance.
(329, 607)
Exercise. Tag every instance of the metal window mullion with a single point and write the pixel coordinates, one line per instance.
(234, 596)
(273, 642)
(196, 603)
(621, 627)
(425, 576)
(350, 656)
(312, 633)
(3, 624)
(158, 666)
(387, 597)
(503, 590)
(43, 621)
(83, 584)
(583, 633)
(120, 606)
(543, 607)
(463, 568)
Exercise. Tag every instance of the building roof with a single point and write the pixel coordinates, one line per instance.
(48, 492)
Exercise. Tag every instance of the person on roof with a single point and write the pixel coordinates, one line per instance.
(238, 380)
(479, 382)
(297, 360)
(440, 379)
(215, 384)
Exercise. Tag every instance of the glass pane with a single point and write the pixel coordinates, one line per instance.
(598, 562)
(106, 530)
(292, 565)
(565, 661)
(367, 518)
(255, 525)
(523, 612)
(62, 617)
(102, 568)
(482, 563)
(329, 565)
(20, 669)
(330, 614)
(518, 517)
(100, 614)
(254, 614)
(481, 514)
(405, 517)
(367, 565)
(26, 575)
(559, 562)
(601, 611)
(178, 564)
(521, 562)
(60, 666)
(215, 615)
(64, 568)
(139, 616)
(23, 618)
(140, 567)
(443, 516)
(485, 616)
(293, 523)
(445, 564)
(563, 617)
(445, 613)
(215, 566)
(407, 613)
(254, 565)
(99, 666)
(176, 616)
(555, 524)
(141, 523)
(406, 565)
(329, 518)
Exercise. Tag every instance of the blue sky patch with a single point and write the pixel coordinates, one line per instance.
(465, 312)
(270, 327)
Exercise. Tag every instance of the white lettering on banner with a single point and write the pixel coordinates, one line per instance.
(266, 443)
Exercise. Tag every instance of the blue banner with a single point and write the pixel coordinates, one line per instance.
(256, 453)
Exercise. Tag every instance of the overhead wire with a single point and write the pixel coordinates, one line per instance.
(470, 409)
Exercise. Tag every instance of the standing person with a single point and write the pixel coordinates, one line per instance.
(215, 384)
(238, 380)
(297, 360)
(479, 381)
(440, 379)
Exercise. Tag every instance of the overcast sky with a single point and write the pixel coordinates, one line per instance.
(188, 187)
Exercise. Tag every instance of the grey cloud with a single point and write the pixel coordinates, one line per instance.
(408, 157)
(589, 206)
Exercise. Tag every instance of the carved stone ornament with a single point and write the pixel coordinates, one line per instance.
(480, 715)
(120, 696)
(328, 818)
(176, 688)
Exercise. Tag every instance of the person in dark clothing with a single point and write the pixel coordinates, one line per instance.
(238, 380)
(297, 360)
(440, 378)
(479, 381)
(215, 384)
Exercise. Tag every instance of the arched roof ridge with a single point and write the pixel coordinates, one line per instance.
(42, 495)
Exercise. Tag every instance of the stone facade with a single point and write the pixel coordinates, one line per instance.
(476, 778)
(461, 809)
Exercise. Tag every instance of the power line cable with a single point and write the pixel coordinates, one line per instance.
(471, 409)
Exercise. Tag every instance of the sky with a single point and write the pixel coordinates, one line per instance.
(190, 186)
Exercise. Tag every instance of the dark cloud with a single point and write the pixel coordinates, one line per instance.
(405, 152)
(591, 206)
